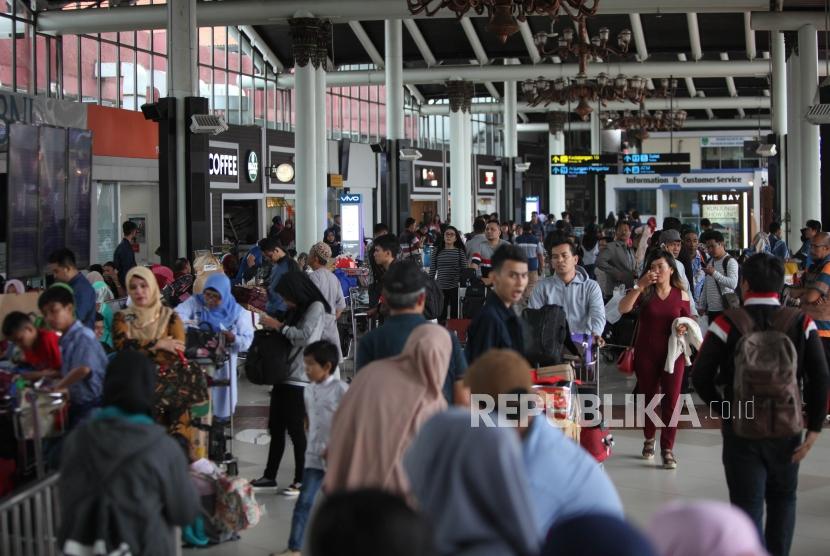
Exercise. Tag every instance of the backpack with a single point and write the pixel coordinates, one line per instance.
(730, 300)
(269, 360)
(767, 397)
(236, 505)
(434, 304)
(545, 332)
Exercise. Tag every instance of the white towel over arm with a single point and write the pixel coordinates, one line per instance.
(682, 345)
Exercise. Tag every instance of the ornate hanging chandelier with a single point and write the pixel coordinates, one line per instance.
(582, 91)
(640, 123)
(505, 15)
(585, 49)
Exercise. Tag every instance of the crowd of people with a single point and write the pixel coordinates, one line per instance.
(392, 455)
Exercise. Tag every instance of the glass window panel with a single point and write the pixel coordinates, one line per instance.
(233, 50)
(372, 117)
(143, 89)
(144, 40)
(159, 77)
(220, 46)
(271, 104)
(205, 44)
(111, 37)
(69, 67)
(160, 41)
(259, 100)
(127, 38)
(106, 207)
(40, 65)
(127, 83)
(23, 60)
(89, 69)
(220, 103)
(382, 119)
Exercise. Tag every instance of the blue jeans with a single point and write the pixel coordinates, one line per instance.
(312, 481)
(759, 471)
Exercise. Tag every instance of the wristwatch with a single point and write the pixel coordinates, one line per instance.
(636, 286)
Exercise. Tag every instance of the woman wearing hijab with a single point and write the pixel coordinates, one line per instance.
(108, 457)
(163, 274)
(704, 527)
(471, 482)
(103, 295)
(305, 323)
(156, 331)
(217, 309)
(14, 286)
(287, 235)
(383, 410)
(597, 535)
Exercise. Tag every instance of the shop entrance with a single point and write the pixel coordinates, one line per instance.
(241, 222)
(423, 211)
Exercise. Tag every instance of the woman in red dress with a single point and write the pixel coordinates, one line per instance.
(661, 298)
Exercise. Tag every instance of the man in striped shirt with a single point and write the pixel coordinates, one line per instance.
(721, 276)
(481, 258)
(532, 248)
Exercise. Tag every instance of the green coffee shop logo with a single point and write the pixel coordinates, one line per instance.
(253, 166)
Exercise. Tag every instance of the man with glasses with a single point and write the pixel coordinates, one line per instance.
(721, 276)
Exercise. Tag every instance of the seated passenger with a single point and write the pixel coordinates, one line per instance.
(471, 484)
(706, 527)
(565, 479)
(41, 351)
(83, 361)
(124, 483)
(572, 289)
(598, 535)
(385, 406)
(363, 522)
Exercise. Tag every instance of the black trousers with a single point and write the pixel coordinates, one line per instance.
(286, 414)
(451, 303)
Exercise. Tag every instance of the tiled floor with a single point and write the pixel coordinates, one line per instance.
(643, 486)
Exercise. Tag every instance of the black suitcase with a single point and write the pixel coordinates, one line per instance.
(473, 301)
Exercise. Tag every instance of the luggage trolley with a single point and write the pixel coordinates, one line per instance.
(359, 322)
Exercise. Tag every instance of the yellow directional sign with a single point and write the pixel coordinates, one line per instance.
(574, 158)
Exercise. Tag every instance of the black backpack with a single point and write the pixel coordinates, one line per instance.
(434, 300)
(545, 332)
(269, 358)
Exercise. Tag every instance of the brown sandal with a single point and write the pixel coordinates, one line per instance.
(648, 449)
(669, 461)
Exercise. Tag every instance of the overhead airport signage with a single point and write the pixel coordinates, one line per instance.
(582, 169)
(639, 169)
(655, 158)
(627, 164)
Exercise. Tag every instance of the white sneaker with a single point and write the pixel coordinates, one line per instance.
(292, 490)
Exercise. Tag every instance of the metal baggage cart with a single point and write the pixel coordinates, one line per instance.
(358, 322)
(39, 415)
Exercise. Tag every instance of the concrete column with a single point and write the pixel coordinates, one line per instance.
(556, 184)
(596, 148)
(321, 154)
(304, 32)
(394, 79)
(810, 165)
(511, 141)
(461, 150)
(182, 82)
(779, 84)
(794, 185)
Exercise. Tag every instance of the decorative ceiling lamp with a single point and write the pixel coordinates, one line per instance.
(582, 91)
(505, 15)
(585, 49)
(640, 123)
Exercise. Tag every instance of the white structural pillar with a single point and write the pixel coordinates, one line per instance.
(461, 149)
(511, 140)
(779, 115)
(182, 82)
(556, 184)
(810, 165)
(304, 33)
(794, 152)
(596, 147)
(321, 138)
(394, 79)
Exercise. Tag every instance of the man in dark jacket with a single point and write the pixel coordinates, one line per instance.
(497, 325)
(766, 469)
(124, 255)
(111, 459)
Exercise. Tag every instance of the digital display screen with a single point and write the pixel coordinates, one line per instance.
(531, 206)
(351, 227)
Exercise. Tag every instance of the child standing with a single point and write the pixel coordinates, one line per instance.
(322, 397)
(83, 359)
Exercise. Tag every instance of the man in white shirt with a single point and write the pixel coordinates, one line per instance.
(721, 276)
(671, 242)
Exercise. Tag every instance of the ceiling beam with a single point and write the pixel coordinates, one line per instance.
(530, 44)
(478, 50)
(420, 42)
(266, 12)
(709, 113)
(690, 83)
(259, 44)
(367, 44)
(698, 103)
(786, 21)
(639, 36)
(694, 36)
(730, 85)
(749, 36)
(478, 74)
(690, 124)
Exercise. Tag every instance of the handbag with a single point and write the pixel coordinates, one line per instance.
(730, 300)
(179, 387)
(625, 362)
(269, 358)
(204, 343)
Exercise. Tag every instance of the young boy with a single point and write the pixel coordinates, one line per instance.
(100, 330)
(84, 361)
(322, 397)
(40, 347)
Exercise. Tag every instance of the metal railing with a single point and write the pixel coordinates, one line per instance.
(30, 519)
